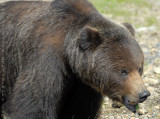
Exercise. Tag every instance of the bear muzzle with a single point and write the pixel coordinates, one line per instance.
(131, 105)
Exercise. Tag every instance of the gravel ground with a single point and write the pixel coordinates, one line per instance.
(149, 39)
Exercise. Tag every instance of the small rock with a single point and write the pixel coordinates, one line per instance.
(106, 99)
(132, 118)
(118, 117)
(157, 107)
(111, 117)
(149, 116)
(145, 50)
(141, 111)
(156, 70)
(145, 29)
(145, 117)
(136, 115)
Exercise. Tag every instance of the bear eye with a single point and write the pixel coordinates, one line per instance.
(124, 72)
(140, 70)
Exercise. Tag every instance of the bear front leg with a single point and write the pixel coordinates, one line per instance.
(36, 95)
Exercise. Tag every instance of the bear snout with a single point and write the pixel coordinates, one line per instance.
(143, 96)
(132, 101)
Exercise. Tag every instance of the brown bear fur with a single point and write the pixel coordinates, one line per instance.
(62, 57)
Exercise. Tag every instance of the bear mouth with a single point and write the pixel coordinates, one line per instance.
(130, 106)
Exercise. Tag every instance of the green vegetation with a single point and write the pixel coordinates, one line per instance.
(128, 11)
(118, 7)
(151, 20)
(137, 107)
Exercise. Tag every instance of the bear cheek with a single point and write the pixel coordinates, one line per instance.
(134, 86)
(114, 89)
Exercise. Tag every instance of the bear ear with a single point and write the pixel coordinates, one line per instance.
(130, 28)
(89, 38)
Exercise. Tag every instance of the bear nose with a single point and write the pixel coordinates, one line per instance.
(143, 96)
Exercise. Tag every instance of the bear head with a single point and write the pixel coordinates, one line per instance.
(108, 58)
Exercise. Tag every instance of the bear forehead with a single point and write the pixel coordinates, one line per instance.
(125, 54)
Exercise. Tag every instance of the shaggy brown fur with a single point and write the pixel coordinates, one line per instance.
(62, 57)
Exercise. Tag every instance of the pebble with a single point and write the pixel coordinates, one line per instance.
(111, 117)
(145, 50)
(145, 117)
(156, 70)
(141, 111)
(132, 118)
(118, 117)
(106, 99)
(145, 29)
(157, 107)
(149, 116)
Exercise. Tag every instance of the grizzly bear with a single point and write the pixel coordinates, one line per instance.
(60, 58)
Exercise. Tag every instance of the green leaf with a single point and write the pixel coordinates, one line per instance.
(137, 107)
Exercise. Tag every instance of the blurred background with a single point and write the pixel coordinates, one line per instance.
(144, 15)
